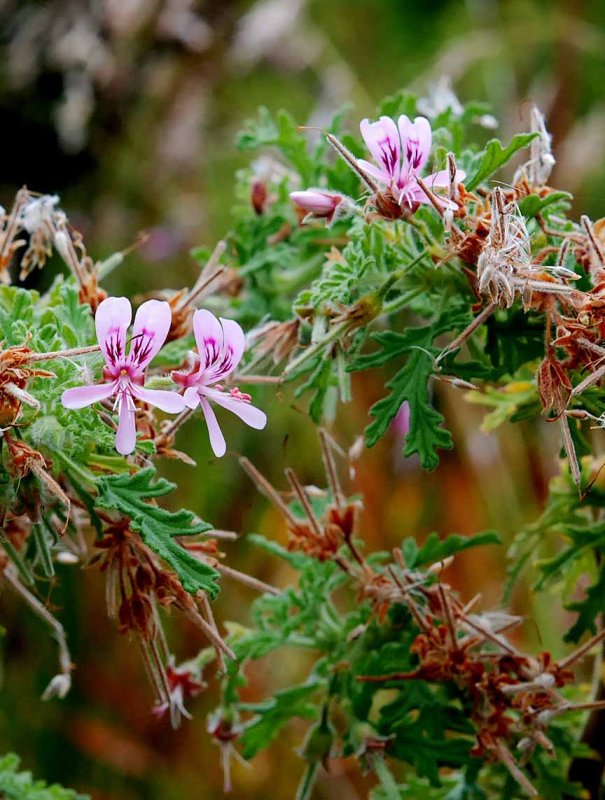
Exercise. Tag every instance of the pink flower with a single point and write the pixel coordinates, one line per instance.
(220, 344)
(317, 203)
(183, 683)
(125, 374)
(401, 151)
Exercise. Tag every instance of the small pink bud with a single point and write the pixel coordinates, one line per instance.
(401, 420)
(317, 202)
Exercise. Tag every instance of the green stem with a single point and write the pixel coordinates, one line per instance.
(15, 557)
(401, 301)
(85, 474)
(307, 782)
(387, 781)
(400, 273)
(334, 333)
(106, 267)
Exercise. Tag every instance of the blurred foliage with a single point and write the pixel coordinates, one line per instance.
(16, 785)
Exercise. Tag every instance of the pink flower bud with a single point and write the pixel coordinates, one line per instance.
(317, 202)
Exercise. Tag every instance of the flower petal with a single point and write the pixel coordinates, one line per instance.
(151, 326)
(126, 435)
(217, 440)
(418, 196)
(416, 140)
(81, 396)
(441, 179)
(373, 171)
(233, 345)
(251, 415)
(191, 397)
(209, 337)
(165, 400)
(111, 321)
(383, 142)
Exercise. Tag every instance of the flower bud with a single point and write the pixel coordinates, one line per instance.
(317, 202)
(318, 743)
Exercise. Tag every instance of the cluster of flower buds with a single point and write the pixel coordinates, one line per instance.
(220, 346)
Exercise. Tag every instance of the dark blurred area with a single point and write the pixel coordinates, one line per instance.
(129, 110)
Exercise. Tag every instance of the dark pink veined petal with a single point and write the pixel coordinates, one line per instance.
(126, 435)
(416, 140)
(151, 326)
(383, 142)
(165, 400)
(217, 440)
(209, 336)
(234, 343)
(81, 396)
(112, 321)
(191, 397)
(251, 415)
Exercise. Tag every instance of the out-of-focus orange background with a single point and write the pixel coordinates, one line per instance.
(129, 110)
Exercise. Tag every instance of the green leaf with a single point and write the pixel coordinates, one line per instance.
(131, 495)
(588, 610)
(411, 384)
(273, 714)
(436, 549)
(402, 102)
(583, 539)
(15, 785)
(279, 130)
(495, 156)
(534, 204)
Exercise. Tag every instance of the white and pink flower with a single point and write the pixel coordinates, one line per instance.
(401, 150)
(125, 374)
(183, 682)
(220, 344)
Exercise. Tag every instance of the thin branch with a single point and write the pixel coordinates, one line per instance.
(247, 580)
(265, 487)
(299, 491)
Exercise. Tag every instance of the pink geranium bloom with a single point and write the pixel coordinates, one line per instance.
(125, 374)
(401, 150)
(220, 344)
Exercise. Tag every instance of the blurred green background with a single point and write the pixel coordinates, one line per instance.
(129, 110)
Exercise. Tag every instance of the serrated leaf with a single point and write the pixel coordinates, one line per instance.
(590, 538)
(589, 609)
(495, 156)
(411, 384)
(158, 527)
(279, 130)
(273, 714)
